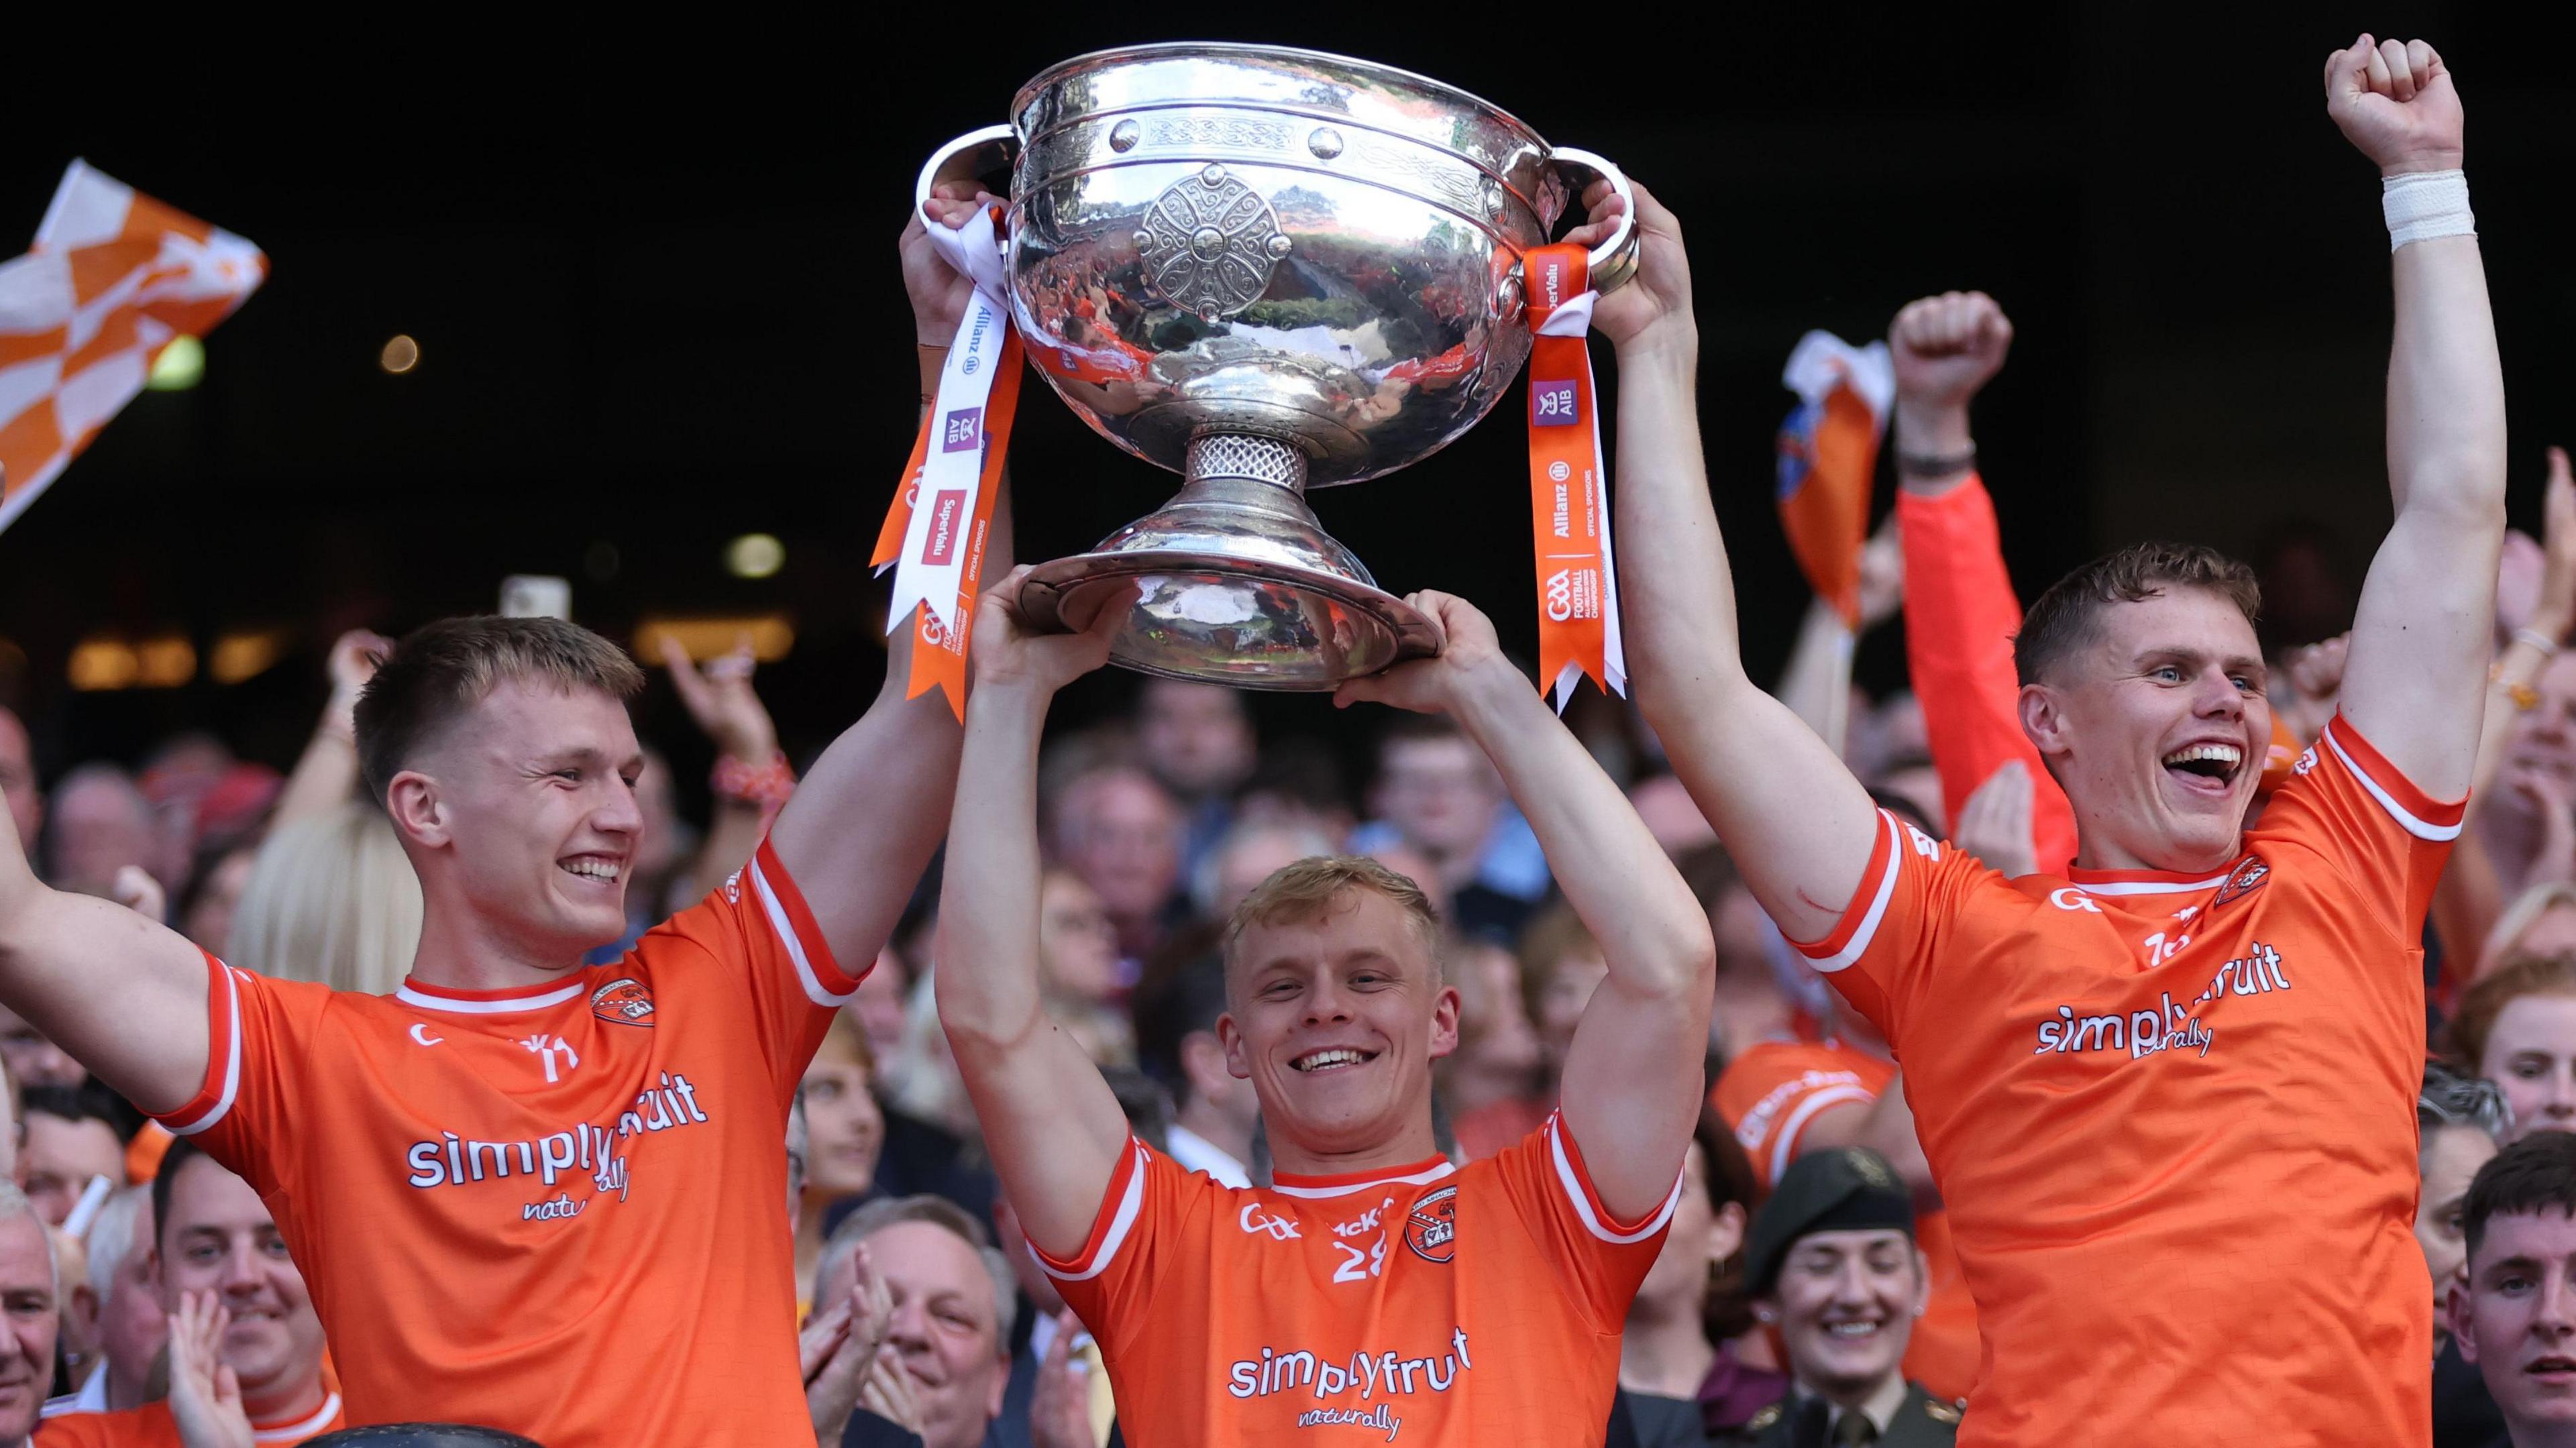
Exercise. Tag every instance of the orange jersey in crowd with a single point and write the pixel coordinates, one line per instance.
(1422, 1305)
(2173, 1117)
(559, 1210)
(1768, 1095)
(151, 1426)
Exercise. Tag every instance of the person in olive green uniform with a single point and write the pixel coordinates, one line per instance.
(1833, 1267)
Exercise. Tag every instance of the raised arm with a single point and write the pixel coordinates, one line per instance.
(1635, 1073)
(863, 823)
(1816, 683)
(1053, 1127)
(2471, 895)
(1960, 611)
(126, 996)
(728, 710)
(2420, 638)
(1801, 828)
(326, 774)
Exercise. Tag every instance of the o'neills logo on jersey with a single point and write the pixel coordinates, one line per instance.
(623, 1001)
(1431, 1228)
(454, 1161)
(1369, 1375)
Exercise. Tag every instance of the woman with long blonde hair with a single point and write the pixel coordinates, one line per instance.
(332, 900)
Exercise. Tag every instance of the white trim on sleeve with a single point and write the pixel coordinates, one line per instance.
(1862, 933)
(1130, 1204)
(1577, 1192)
(2420, 829)
(786, 929)
(232, 1060)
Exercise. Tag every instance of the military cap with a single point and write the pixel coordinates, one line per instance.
(1847, 1189)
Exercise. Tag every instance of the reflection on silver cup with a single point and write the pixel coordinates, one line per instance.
(1268, 270)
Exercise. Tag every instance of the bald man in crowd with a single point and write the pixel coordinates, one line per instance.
(102, 823)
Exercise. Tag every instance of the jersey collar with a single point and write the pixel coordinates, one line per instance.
(300, 1429)
(1290, 1184)
(2150, 882)
(487, 1002)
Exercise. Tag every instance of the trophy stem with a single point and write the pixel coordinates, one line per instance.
(1234, 455)
(1237, 582)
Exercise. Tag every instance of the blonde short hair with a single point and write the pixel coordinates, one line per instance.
(331, 899)
(1312, 886)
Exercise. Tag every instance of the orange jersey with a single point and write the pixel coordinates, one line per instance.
(559, 1210)
(151, 1426)
(2173, 1116)
(1768, 1095)
(1465, 1305)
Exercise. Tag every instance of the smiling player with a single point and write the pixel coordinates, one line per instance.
(1372, 1285)
(2154, 1095)
(526, 1193)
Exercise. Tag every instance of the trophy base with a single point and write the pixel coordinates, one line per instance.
(1237, 583)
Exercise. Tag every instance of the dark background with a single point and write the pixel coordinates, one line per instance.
(654, 284)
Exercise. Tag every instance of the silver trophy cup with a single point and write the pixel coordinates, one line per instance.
(1268, 270)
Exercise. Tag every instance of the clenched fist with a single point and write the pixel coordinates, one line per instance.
(2393, 100)
(1947, 347)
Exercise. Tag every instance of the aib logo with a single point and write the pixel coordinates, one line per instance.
(962, 430)
(1552, 404)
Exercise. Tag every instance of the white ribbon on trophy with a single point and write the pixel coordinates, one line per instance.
(933, 562)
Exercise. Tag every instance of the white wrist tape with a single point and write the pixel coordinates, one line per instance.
(2421, 205)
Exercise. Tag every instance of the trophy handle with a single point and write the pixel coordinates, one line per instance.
(975, 155)
(1614, 261)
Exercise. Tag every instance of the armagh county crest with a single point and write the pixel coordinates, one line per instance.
(1431, 1228)
(624, 1002)
(2248, 877)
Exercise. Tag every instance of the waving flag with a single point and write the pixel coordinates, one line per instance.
(114, 277)
(1827, 449)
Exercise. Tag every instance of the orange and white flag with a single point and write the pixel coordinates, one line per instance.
(1828, 448)
(114, 277)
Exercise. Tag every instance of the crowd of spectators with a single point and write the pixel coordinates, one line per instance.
(1158, 821)
(1806, 1284)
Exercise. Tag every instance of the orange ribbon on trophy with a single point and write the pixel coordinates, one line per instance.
(935, 533)
(1578, 581)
